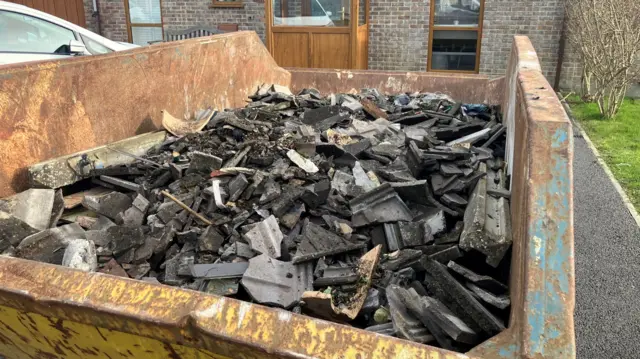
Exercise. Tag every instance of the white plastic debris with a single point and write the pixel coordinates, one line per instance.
(302, 162)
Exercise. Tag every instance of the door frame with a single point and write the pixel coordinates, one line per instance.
(352, 29)
(130, 25)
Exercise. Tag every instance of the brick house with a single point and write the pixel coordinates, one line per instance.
(400, 33)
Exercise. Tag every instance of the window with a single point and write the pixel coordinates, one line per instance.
(94, 47)
(311, 12)
(22, 33)
(144, 18)
(455, 31)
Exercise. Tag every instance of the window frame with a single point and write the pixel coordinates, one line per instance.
(75, 35)
(131, 25)
(433, 27)
(226, 4)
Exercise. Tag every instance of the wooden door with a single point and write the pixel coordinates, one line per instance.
(70, 10)
(302, 33)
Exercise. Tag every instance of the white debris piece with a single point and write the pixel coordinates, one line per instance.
(81, 254)
(302, 162)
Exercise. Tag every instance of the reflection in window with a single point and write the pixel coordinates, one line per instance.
(145, 35)
(457, 12)
(21, 33)
(454, 50)
(311, 12)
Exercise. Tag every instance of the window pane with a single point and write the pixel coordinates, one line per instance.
(145, 11)
(311, 12)
(21, 33)
(454, 50)
(457, 12)
(94, 47)
(144, 35)
(361, 12)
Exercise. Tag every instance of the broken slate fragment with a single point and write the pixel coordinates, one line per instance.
(362, 179)
(204, 162)
(482, 281)
(498, 301)
(13, 230)
(108, 204)
(265, 237)
(317, 194)
(219, 270)
(302, 162)
(112, 267)
(316, 242)
(33, 206)
(342, 182)
(273, 282)
(236, 186)
(405, 324)
(448, 284)
(48, 245)
(400, 235)
(272, 191)
(210, 240)
(80, 254)
(379, 205)
(291, 218)
(487, 223)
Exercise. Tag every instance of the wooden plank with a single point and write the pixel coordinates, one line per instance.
(291, 49)
(330, 51)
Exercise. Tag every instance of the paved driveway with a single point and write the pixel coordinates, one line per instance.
(607, 259)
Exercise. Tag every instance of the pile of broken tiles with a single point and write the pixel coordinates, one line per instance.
(389, 213)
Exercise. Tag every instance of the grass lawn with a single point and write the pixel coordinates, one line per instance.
(618, 141)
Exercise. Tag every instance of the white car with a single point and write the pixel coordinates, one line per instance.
(27, 34)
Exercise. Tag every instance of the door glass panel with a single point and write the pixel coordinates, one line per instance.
(21, 33)
(311, 12)
(457, 12)
(144, 12)
(144, 35)
(454, 50)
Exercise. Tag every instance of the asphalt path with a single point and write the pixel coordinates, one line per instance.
(607, 262)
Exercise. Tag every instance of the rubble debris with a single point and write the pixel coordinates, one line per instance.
(487, 224)
(80, 254)
(380, 205)
(302, 162)
(219, 270)
(482, 281)
(345, 207)
(316, 242)
(475, 311)
(498, 301)
(266, 237)
(114, 268)
(273, 282)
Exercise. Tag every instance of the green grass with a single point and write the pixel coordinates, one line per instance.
(618, 141)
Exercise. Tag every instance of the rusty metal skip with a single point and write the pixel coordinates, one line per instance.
(56, 108)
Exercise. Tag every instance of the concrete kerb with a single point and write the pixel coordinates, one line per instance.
(625, 199)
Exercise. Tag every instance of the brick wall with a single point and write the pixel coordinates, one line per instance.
(398, 35)
(541, 20)
(113, 20)
(92, 24)
(181, 14)
(399, 30)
